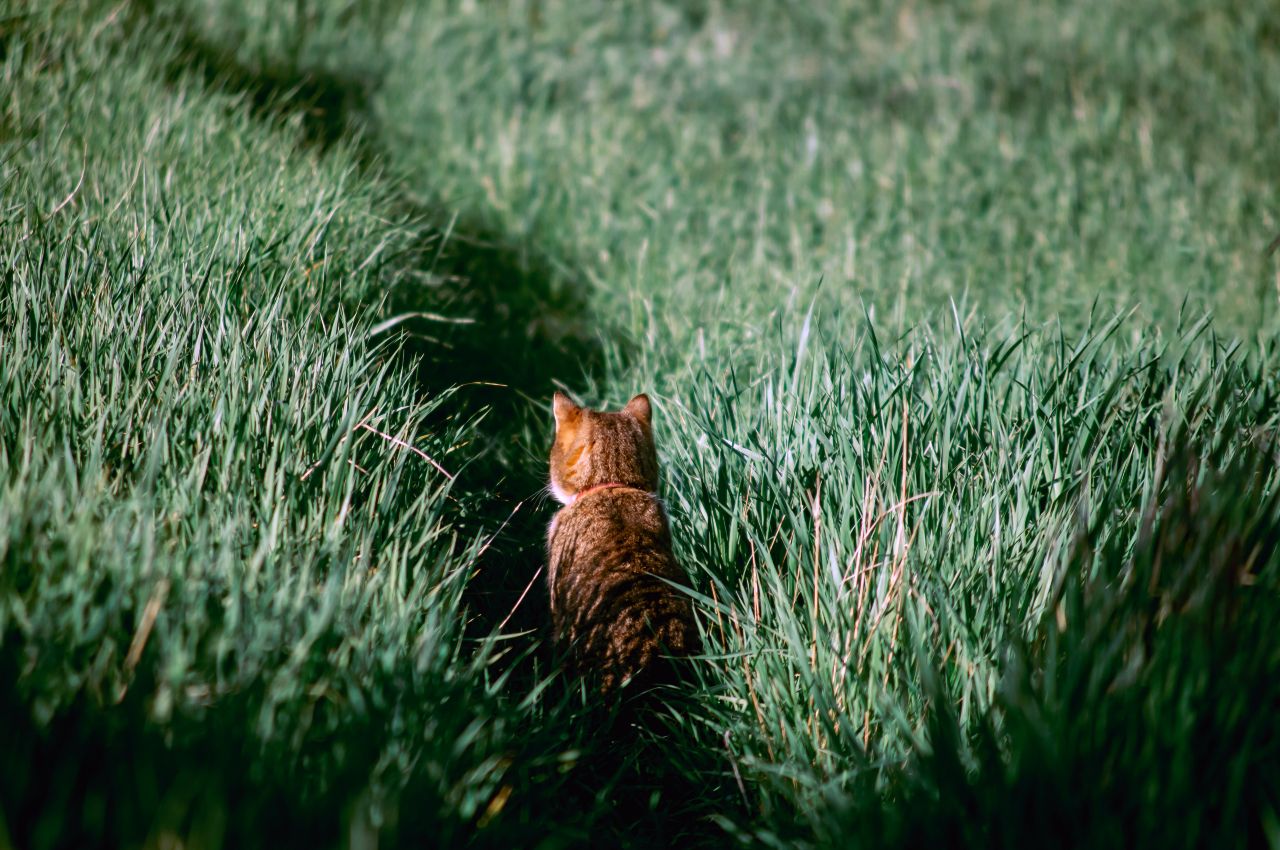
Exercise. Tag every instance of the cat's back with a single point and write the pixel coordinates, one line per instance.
(611, 527)
(615, 605)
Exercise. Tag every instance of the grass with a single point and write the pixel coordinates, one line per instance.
(961, 333)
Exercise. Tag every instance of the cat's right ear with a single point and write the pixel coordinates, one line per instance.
(564, 409)
(640, 409)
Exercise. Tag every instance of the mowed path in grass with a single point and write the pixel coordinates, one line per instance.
(959, 326)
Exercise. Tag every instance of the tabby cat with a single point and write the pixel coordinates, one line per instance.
(613, 611)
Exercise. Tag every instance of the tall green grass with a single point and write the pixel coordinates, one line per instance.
(964, 553)
(283, 293)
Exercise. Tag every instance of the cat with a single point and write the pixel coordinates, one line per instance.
(614, 613)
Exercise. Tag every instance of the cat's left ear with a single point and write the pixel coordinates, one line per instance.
(564, 409)
(639, 408)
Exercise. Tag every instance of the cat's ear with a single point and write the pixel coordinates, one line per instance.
(564, 409)
(640, 409)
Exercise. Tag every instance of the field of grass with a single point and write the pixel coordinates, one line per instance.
(961, 330)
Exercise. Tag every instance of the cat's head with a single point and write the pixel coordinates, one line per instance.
(593, 447)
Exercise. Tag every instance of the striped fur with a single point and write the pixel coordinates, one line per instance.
(613, 611)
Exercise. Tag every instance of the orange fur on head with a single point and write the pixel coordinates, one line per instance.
(592, 447)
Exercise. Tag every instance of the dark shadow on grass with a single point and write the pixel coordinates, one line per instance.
(328, 107)
(480, 310)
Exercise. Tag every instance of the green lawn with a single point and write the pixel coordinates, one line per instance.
(961, 330)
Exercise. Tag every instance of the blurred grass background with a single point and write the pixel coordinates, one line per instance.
(960, 326)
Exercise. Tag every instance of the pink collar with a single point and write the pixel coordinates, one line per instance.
(606, 486)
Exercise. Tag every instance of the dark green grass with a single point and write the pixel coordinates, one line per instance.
(284, 290)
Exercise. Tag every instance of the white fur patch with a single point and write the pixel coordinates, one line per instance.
(562, 496)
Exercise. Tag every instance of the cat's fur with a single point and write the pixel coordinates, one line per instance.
(613, 611)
